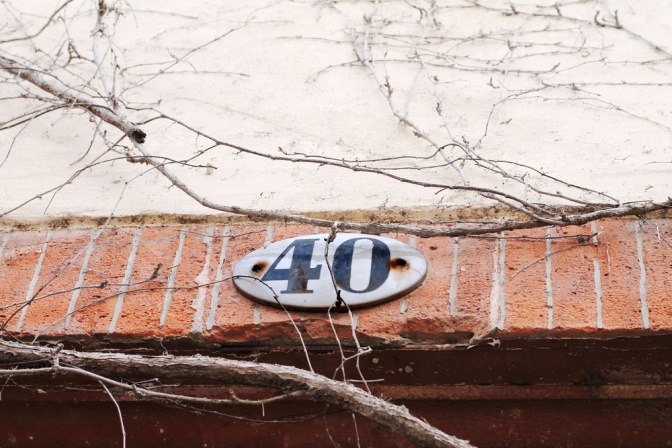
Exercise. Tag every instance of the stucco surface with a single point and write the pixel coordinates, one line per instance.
(564, 94)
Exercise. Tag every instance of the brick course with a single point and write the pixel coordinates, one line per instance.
(524, 285)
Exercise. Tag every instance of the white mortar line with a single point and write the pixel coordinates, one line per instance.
(171, 279)
(270, 233)
(80, 280)
(494, 292)
(593, 229)
(33, 282)
(609, 265)
(642, 275)
(502, 280)
(257, 314)
(453, 277)
(413, 239)
(413, 242)
(202, 279)
(5, 240)
(549, 284)
(214, 299)
(598, 292)
(119, 306)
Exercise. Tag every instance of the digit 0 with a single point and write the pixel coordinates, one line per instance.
(380, 265)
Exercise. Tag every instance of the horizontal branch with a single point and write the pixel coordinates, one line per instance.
(287, 379)
(137, 136)
(64, 93)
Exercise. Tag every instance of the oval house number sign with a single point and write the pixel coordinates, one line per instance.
(367, 270)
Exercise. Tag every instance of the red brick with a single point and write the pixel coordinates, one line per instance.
(95, 306)
(19, 259)
(424, 316)
(59, 274)
(574, 300)
(658, 265)
(235, 313)
(143, 302)
(621, 304)
(525, 277)
(475, 271)
(180, 310)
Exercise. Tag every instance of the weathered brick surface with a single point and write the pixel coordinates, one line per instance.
(572, 280)
(619, 275)
(657, 251)
(20, 257)
(526, 286)
(95, 306)
(58, 277)
(234, 315)
(141, 312)
(523, 287)
(475, 269)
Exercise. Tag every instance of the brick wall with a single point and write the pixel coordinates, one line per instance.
(556, 282)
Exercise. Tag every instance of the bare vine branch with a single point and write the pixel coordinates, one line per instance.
(290, 380)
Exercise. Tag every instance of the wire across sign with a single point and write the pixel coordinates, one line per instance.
(357, 270)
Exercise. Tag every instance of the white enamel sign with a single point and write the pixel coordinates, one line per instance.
(367, 270)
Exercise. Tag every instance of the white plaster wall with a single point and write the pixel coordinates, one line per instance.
(288, 77)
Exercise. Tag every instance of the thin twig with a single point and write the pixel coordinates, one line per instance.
(121, 418)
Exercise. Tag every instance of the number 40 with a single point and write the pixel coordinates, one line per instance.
(300, 270)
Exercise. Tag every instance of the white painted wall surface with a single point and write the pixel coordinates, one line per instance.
(586, 103)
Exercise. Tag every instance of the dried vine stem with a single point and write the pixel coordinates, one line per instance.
(137, 136)
(121, 417)
(98, 365)
(64, 93)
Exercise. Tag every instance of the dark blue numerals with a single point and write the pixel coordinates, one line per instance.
(299, 272)
(380, 265)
